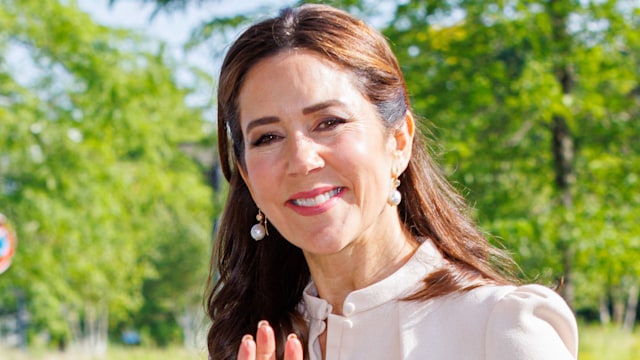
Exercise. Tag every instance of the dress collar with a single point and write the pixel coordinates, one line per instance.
(406, 280)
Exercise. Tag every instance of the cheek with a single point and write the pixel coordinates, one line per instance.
(366, 163)
(260, 175)
(369, 151)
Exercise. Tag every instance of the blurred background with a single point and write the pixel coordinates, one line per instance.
(110, 189)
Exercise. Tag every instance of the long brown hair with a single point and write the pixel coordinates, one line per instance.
(251, 281)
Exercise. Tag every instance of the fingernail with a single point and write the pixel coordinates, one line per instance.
(292, 336)
(247, 337)
(262, 323)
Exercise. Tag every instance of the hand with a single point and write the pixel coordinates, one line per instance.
(265, 346)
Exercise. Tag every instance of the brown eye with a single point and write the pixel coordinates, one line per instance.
(330, 123)
(265, 139)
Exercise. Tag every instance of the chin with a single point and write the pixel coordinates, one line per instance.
(324, 246)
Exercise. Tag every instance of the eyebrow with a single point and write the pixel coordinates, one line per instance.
(261, 121)
(321, 106)
(306, 111)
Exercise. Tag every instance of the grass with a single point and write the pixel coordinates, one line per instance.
(608, 343)
(596, 343)
(114, 352)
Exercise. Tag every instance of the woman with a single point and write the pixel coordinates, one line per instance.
(340, 239)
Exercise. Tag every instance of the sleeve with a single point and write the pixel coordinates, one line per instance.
(531, 322)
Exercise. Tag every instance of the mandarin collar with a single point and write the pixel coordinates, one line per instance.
(403, 282)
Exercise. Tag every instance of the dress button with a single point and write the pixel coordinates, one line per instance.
(348, 309)
(348, 324)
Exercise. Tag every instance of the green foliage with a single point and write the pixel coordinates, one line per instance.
(90, 172)
(490, 83)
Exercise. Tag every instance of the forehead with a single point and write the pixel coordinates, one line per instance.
(296, 78)
(301, 59)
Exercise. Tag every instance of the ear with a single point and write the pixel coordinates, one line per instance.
(403, 142)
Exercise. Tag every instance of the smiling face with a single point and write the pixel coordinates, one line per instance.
(318, 160)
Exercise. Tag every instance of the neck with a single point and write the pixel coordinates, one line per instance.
(365, 261)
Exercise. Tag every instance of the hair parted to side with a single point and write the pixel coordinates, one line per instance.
(251, 281)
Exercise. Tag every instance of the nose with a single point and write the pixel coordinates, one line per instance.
(303, 156)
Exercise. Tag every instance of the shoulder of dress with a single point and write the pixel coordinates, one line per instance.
(530, 297)
(498, 322)
(491, 295)
(532, 315)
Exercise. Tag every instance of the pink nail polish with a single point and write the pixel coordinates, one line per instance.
(262, 323)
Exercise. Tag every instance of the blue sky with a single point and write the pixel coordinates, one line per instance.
(173, 28)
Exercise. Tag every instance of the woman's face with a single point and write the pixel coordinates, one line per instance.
(318, 160)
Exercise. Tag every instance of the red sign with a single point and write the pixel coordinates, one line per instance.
(7, 245)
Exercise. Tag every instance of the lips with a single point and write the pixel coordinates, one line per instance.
(308, 201)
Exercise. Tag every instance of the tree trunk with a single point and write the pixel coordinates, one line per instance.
(563, 154)
(618, 310)
(89, 331)
(632, 306)
(562, 143)
(605, 314)
(191, 321)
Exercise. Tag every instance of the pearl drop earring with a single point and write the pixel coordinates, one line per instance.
(395, 197)
(259, 231)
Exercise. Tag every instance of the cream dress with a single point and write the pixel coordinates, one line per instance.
(489, 322)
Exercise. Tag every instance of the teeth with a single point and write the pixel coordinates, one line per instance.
(314, 201)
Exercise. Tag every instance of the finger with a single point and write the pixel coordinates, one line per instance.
(266, 342)
(293, 348)
(247, 350)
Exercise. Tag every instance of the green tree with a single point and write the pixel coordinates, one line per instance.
(534, 102)
(91, 175)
